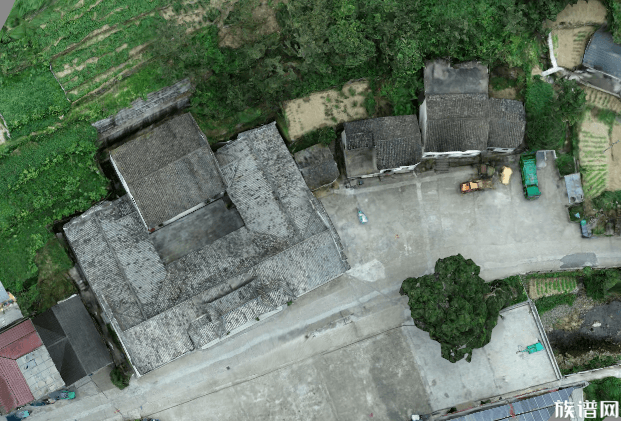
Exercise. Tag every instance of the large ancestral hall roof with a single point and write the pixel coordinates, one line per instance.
(284, 247)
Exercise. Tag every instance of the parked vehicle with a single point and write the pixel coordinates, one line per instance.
(528, 167)
(62, 394)
(470, 186)
(586, 231)
(531, 349)
(19, 415)
(362, 217)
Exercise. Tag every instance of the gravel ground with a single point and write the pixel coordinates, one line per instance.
(581, 306)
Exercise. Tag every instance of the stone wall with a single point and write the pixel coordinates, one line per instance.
(143, 113)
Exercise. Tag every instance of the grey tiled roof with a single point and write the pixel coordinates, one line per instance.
(317, 166)
(449, 135)
(396, 139)
(287, 239)
(603, 54)
(473, 122)
(169, 169)
(457, 106)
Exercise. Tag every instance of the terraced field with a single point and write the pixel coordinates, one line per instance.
(601, 99)
(594, 139)
(118, 47)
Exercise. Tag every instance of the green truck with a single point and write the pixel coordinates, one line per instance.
(528, 167)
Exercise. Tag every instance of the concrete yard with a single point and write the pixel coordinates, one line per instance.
(496, 369)
(348, 349)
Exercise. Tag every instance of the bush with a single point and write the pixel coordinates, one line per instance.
(323, 136)
(607, 389)
(597, 283)
(608, 200)
(119, 378)
(565, 164)
(512, 284)
(544, 304)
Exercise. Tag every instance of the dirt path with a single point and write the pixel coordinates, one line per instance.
(508, 93)
(327, 108)
(614, 161)
(580, 14)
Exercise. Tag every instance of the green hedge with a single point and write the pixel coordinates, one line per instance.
(544, 304)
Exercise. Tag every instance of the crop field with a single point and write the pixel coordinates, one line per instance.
(570, 44)
(543, 287)
(594, 158)
(601, 99)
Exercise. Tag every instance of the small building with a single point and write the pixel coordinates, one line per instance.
(68, 333)
(27, 371)
(575, 194)
(317, 166)
(384, 145)
(458, 119)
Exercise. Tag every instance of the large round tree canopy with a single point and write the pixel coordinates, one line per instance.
(456, 306)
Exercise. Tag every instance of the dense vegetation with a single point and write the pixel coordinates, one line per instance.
(607, 389)
(51, 176)
(552, 112)
(599, 283)
(457, 307)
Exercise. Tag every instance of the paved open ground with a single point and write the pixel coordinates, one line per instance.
(348, 349)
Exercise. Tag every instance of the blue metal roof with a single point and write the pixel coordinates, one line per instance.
(603, 54)
(539, 408)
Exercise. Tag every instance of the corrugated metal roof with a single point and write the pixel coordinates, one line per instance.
(538, 408)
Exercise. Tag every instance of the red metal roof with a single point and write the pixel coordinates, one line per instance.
(15, 343)
(15, 333)
(21, 347)
(14, 390)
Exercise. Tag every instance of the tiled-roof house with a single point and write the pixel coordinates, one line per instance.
(27, 371)
(382, 145)
(241, 235)
(602, 60)
(70, 337)
(458, 119)
(317, 166)
(602, 54)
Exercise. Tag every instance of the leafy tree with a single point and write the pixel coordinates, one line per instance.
(549, 112)
(456, 306)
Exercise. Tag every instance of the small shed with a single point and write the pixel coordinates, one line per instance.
(574, 188)
(317, 166)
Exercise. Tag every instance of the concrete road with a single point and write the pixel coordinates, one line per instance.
(347, 350)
